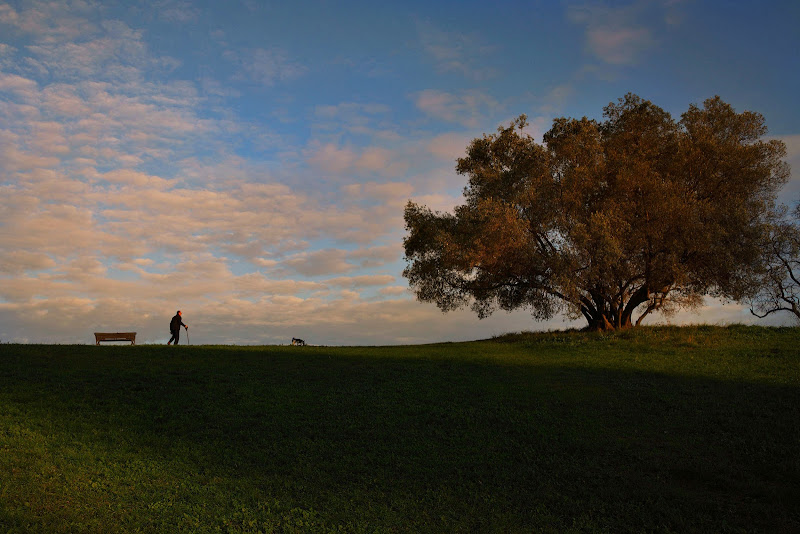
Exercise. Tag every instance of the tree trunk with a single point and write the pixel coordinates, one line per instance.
(603, 316)
(608, 322)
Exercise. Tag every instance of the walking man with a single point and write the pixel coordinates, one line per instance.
(175, 328)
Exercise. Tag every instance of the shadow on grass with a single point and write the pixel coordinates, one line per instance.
(206, 439)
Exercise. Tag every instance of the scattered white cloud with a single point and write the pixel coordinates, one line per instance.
(386, 193)
(466, 108)
(16, 262)
(320, 262)
(8, 15)
(17, 85)
(331, 158)
(179, 11)
(361, 281)
(614, 34)
(377, 256)
(449, 146)
(619, 46)
(464, 54)
(50, 22)
(555, 99)
(394, 291)
(350, 111)
(266, 66)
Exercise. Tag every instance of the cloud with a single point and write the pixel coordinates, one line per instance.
(350, 111)
(338, 261)
(150, 210)
(367, 122)
(376, 256)
(19, 261)
(619, 46)
(465, 108)
(113, 52)
(15, 157)
(179, 11)
(385, 193)
(332, 159)
(18, 85)
(8, 14)
(320, 262)
(266, 66)
(61, 100)
(362, 281)
(449, 146)
(456, 52)
(97, 102)
(50, 22)
(613, 34)
(377, 159)
(137, 179)
(256, 284)
(554, 101)
(791, 191)
(393, 291)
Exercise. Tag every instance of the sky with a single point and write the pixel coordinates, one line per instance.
(248, 162)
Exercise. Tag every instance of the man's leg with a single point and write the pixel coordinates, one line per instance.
(173, 338)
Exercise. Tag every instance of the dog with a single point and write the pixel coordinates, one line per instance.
(299, 342)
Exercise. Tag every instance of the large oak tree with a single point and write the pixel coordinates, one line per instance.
(611, 220)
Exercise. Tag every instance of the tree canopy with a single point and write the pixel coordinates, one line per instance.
(610, 220)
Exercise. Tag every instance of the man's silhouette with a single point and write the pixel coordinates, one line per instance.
(175, 328)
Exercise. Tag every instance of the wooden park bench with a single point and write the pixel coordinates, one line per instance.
(115, 336)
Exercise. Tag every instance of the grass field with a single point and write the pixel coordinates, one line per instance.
(654, 430)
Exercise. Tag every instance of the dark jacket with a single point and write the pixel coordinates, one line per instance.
(176, 323)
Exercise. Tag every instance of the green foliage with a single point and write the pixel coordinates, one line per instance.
(654, 429)
(635, 212)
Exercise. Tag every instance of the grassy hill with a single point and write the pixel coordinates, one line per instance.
(658, 429)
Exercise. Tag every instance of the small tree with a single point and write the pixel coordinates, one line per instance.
(637, 212)
(780, 290)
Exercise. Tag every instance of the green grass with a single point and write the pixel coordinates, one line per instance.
(653, 430)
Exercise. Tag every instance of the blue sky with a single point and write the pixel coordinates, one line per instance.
(248, 162)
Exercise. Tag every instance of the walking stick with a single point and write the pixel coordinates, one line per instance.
(188, 341)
